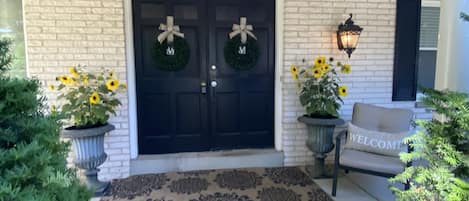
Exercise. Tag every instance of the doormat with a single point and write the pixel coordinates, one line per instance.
(253, 184)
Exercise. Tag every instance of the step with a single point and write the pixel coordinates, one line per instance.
(181, 162)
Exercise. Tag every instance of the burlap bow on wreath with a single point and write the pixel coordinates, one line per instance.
(241, 50)
(169, 31)
(243, 29)
(171, 51)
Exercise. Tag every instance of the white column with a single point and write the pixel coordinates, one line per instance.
(452, 70)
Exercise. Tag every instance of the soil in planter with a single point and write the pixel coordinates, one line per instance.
(85, 126)
(321, 116)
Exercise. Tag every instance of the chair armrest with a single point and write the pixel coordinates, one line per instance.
(338, 140)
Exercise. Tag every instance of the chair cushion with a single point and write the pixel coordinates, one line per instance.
(389, 144)
(369, 161)
(391, 120)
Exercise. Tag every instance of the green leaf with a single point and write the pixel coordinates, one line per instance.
(438, 143)
(464, 16)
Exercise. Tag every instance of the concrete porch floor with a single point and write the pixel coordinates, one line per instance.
(182, 162)
(347, 190)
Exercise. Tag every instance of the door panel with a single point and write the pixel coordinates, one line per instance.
(187, 114)
(152, 10)
(244, 92)
(173, 114)
(257, 109)
(154, 119)
(228, 117)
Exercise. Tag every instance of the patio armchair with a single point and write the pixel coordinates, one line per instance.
(378, 119)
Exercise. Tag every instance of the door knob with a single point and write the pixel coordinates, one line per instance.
(214, 67)
(213, 83)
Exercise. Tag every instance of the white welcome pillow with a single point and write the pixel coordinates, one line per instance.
(389, 144)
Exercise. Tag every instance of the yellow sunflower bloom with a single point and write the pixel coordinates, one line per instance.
(66, 79)
(346, 68)
(319, 61)
(51, 87)
(124, 86)
(94, 98)
(343, 90)
(317, 73)
(112, 84)
(73, 81)
(53, 108)
(294, 72)
(111, 73)
(295, 77)
(85, 80)
(73, 71)
(326, 68)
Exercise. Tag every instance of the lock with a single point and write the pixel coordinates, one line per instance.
(203, 87)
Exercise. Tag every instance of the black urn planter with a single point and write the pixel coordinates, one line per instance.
(320, 141)
(88, 146)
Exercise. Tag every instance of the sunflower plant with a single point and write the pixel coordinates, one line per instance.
(319, 87)
(88, 99)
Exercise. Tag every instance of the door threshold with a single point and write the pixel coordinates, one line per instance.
(181, 162)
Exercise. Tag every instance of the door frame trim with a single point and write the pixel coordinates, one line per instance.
(131, 78)
(278, 93)
(132, 87)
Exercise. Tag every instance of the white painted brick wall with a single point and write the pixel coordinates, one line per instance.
(310, 27)
(62, 33)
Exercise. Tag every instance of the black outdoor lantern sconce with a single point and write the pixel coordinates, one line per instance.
(348, 35)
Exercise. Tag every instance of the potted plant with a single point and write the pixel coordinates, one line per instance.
(320, 94)
(88, 100)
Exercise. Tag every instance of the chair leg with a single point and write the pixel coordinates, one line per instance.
(407, 185)
(334, 181)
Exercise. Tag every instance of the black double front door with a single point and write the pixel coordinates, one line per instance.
(208, 105)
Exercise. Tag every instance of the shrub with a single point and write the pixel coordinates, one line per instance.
(5, 57)
(443, 145)
(32, 157)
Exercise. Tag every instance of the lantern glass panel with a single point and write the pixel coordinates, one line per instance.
(349, 39)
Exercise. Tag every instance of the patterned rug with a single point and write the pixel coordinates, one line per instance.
(255, 184)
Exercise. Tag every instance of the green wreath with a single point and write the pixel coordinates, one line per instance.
(172, 62)
(239, 61)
